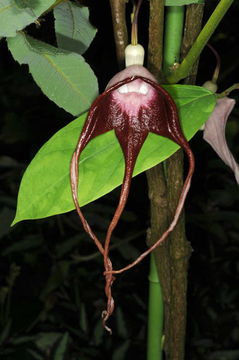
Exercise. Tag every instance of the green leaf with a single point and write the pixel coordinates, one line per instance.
(62, 76)
(72, 27)
(45, 187)
(120, 352)
(83, 319)
(35, 354)
(15, 15)
(121, 324)
(182, 2)
(46, 340)
(27, 243)
(59, 273)
(5, 330)
(62, 347)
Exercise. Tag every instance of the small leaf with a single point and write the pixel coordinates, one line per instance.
(83, 318)
(36, 355)
(120, 352)
(72, 27)
(15, 15)
(122, 330)
(182, 2)
(6, 216)
(23, 339)
(65, 247)
(27, 243)
(63, 76)
(61, 348)
(46, 340)
(58, 275)
(98, 333)
(45, 187)
(5, 331)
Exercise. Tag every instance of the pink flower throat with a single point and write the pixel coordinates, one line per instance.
(130, 97)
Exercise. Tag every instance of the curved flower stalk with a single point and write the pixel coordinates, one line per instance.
(133, 104)
(214, 133)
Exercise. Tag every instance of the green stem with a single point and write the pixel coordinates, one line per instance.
(155, 314)
(227, 91)
(184, 69)
(173, 36)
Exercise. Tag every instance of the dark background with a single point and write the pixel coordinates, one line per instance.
(51, 279)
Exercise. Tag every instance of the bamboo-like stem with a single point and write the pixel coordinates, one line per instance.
(186, 66)
(174, 20)
(158, 223)
(120, 29)
(155, 314)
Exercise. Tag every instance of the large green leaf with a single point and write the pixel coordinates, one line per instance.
(15, 15)
(72, 27)
(63, 76)
(45, 187)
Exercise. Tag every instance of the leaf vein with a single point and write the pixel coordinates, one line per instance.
(5, 8)
(65, 77)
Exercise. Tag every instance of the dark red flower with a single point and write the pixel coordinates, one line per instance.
(133, 104)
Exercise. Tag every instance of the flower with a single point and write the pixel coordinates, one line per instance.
(133, 104)
(214, 133)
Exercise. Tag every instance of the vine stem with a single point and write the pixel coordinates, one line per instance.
(185, 67)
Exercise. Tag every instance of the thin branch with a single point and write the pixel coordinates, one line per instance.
(227, 91)
(155, 46)
(192, 28)
(120, 29)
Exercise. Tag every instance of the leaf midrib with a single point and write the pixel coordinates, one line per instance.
(61, 179)
(66, 78)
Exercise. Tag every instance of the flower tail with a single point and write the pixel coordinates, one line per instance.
(177, 214)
